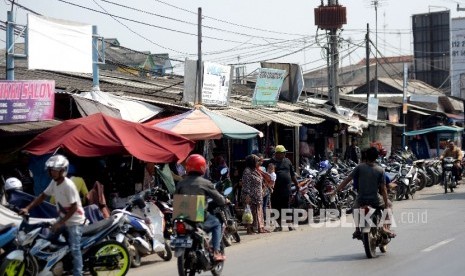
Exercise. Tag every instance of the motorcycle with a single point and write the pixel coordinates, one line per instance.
(193, 248)
(144, 235)
(52, 256)
(227, 216)
(449, 180)
(372, 234)
(407, 182)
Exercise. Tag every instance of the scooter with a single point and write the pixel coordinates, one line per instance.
(144, 225)
(52, 256)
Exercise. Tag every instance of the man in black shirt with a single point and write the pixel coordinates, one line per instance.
(285, 175)
(353, 152)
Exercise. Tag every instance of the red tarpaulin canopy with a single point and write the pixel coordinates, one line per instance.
(99, 135)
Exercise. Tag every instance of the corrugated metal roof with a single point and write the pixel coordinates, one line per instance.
(28, 127)
(262, 116)
(341, 119)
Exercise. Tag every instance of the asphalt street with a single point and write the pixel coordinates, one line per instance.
(430, 241)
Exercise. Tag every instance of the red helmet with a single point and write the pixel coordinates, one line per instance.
(196, 163)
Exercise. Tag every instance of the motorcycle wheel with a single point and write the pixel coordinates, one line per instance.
(421, 181)
(350, 201)
(237, 237)
(107, 249)
(136, 260)
(369, 243)
(182, 271)
(400, 192)
(227, 240)
(168, 255)
(447, 181)
(14, 267)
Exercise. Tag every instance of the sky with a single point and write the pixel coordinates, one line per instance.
(241, 32)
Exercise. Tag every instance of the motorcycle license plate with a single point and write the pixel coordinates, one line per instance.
(184, 242)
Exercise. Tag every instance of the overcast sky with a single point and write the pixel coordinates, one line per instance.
(240, 31)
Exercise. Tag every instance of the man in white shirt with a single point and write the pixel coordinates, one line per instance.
(68, 204)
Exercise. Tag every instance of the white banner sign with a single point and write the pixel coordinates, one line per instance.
(216, 84)
(59, 45)
(373, 108)
(457, 57)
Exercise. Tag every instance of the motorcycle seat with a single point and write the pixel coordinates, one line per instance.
(94, 228)
(6, 228)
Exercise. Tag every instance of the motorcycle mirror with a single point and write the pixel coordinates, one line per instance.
(224, 171)
(406, 147)
(228, 191)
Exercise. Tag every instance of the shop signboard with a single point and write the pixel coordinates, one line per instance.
(26, 101)
(268, 86)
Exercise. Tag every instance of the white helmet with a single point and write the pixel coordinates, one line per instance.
(13, 183)
(58, 162)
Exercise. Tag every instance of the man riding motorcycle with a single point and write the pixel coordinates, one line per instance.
(456, 153)
(195, 184)
(371, 180)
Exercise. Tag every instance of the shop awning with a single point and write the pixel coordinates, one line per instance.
(341, 119)
(28, 127)
(448, 129)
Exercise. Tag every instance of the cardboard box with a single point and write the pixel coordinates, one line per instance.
(191, 207)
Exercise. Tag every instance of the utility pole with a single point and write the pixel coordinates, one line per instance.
(376, 2)
(367, 45)
(198, 98)
(10, 47)
(331, 18)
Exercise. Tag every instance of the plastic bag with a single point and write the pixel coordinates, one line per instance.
(247, 217)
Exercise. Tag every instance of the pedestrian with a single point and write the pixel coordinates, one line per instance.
(68, 205)
(252, 193)
(353, 152)
(285, 176)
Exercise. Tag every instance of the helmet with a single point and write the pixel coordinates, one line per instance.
(58, 162)
(196, 163)
(324, 165)
(13, 183)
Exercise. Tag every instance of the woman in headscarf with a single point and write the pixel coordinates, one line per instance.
(252, 193)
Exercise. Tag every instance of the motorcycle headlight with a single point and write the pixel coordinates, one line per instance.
(404, 172)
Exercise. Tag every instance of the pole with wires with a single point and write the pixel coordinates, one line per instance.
(10, 47)
(198, 98)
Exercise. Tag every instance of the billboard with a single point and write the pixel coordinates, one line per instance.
(268, 86)
(26, 101)
(59, 45)
(293, 83)
(216, 84)
(457, 57)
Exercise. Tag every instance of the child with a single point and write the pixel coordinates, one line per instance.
(268, 187)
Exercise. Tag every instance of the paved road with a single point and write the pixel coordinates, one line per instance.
(430, 241)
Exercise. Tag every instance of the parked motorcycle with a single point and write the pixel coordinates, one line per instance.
(53, 257)
(144, 229)
(193, 248)
(227, 216)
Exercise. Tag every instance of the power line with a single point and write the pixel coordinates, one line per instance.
(136, 33)
(148, 24)
(227, 22)
(187, 22)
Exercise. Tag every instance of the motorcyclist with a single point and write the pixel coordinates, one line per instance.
(195, 184)
(456, 153)
(371, 180)
(68, 204)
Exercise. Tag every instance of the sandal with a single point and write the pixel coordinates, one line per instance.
(263, 231)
